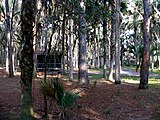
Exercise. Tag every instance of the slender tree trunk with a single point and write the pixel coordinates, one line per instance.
(98, 48)
(159, 55)
(4, 55)
(35, 43)
(63, 45)
(26, 58)
(83, 75)
(7, 58)
(67, 51)
(117, 40)
(104, 44)
(112, 43)
(95, 48)
(6, 43)
(144, 72)
(45, 60)
(70, 50)
(9, 41)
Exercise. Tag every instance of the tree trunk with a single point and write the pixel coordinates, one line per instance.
(63, 45)
(135, 39)
(159, 55)
(70, 50)
(26, 57)
(97, 48)
(117, 40)
(12, 52)
(9, 41)
(45, 59)
(26, 103)
(45, 67)
(82, 76)
(112, 44)
(35, 45)
(104, 45)
(144, 72)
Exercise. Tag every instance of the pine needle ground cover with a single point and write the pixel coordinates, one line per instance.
(100, 102)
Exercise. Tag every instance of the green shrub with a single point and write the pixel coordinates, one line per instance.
(55, 90)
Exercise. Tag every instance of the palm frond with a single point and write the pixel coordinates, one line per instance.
(48, 88)
(69, 99)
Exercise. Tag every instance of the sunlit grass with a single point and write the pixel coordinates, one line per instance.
(153, 81)
(95, 76)
(96, 69)
(156, 71)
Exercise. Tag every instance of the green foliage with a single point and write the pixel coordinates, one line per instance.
(95, 76)
(123, 7)
(48, 88)
(59, 91)
(69, 99)
(55, 89)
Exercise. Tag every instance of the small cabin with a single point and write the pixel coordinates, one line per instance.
(53, 61)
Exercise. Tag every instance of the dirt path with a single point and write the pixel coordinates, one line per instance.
(130, 72)
(126, 72)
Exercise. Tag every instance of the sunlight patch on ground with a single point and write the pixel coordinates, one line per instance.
(80, 92)
(37, 116)
(94, 71)
(131, 81)
(92, 111)
(136, 81)
(1, 68)
(17, 73)
(106, 81)
(153, 82)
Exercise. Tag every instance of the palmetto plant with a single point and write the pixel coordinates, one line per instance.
(55, 90)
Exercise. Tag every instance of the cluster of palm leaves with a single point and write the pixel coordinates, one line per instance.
(55, 89)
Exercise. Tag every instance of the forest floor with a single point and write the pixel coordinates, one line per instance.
(101, 101)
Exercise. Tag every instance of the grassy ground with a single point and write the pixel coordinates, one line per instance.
(153, 81)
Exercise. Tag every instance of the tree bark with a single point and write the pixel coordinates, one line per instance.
(63, 43)
(104, 44)
(70, 50)
(82, 76)
(112, 43)
(9, 42)
(117, 40)
(144, 72)
(26, 57)
(95, 48)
